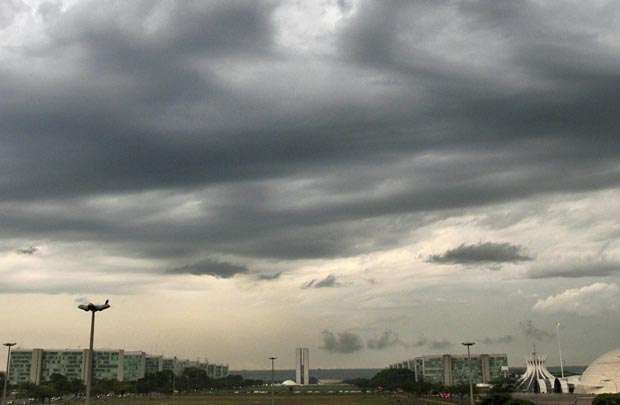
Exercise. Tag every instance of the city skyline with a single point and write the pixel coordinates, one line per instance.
(372, 180)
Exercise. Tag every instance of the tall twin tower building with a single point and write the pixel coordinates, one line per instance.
(302, 370)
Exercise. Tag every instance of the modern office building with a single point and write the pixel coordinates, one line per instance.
(38, 365)
(302, 370)
(450, 369)
(153, 364)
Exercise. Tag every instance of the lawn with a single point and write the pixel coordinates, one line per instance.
(260, 399)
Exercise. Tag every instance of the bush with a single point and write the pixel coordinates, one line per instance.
(606, 399)
(504, 399)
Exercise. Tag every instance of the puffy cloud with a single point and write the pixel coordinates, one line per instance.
(342, 342)
(488, 252)
(591, 300)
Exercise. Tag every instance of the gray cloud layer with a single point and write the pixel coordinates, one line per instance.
(488, 252)
(509, 101)
(575, 269)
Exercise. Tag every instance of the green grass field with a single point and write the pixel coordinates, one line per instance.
(263, 399)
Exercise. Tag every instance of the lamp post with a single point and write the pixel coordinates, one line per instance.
(273, 359)
(471, 387)
(7, 374)
(90, 307)
(557, 325)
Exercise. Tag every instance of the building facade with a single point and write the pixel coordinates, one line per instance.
(449, 369)
(38, 365)
(302, 369)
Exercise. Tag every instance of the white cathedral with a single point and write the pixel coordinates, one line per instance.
(538, 379)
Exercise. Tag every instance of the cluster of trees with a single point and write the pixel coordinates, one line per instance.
(606, 399)
(404, 379)
(164, 382)
(191, 380)
(57, 386)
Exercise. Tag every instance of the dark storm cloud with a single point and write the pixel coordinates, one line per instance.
(574, 269)
(531, 331)
(488, 252)
(197, 99)
(327, 282)
(505, 339)
(343, 342)
(210, 267)
(29, 251)
(386, 340)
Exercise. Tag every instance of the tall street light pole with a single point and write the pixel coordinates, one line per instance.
(7, 374)
(89, 364)
(471, 387)
(273, 359)
(557, 325)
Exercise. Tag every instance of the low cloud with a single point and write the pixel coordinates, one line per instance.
(591, 300)
(327, 282)
(531, 331)
(269, 276)
(488, 252)
(433, 343)
(29, 251)
(575, 270)
(343, 342)
(497, 340)
(386, 340)
(210, 267)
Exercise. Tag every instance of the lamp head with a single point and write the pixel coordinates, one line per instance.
(9, 344)
(468, 343)
(93, 307)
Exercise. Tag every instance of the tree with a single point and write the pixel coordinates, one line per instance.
(161, 382)
(193, 379)
(504, 384)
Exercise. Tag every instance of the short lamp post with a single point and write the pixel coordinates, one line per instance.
(7, 374)
(273, 359)
(89, 364)
(471, 387)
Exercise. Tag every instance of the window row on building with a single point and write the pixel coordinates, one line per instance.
(449, 369)
(38, 365)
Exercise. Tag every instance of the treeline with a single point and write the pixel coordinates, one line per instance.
(163, 382)
(395, 379)
(404, 380)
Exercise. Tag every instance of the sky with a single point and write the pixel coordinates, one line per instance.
(373, 180)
